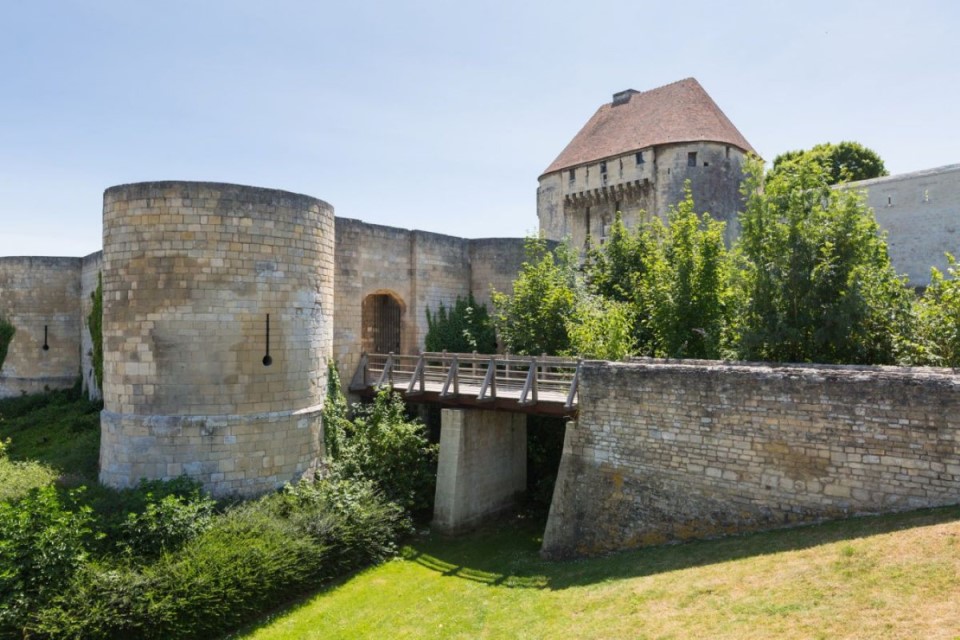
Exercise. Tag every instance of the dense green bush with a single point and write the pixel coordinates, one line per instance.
(165, 523)
(534, 319)
(42, 545)
(255, 556)
(18, 478)
(465, 328)
(382, 445)
(938, 317)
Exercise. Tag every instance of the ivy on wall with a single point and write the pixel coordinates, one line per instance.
(6, 335)
(95, 322)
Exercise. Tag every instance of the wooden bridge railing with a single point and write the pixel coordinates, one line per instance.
(527, 380)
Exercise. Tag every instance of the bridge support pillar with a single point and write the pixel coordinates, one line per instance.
(482, 466)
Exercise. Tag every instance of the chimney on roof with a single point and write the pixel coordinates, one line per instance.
(623, 97)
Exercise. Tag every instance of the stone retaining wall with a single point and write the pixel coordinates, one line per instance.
(665, 451)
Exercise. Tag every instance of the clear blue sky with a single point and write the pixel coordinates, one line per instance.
(431, 115)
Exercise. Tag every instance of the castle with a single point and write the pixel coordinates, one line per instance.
(634, 156)
(223, 305)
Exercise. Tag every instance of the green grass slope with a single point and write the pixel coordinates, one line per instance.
(887, 577)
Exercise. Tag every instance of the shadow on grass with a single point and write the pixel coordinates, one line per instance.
(59, 429)
(507, 554)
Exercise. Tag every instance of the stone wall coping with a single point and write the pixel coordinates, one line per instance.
(144, 189)
(777, 369)
(49, 261)
(870, 182)
(353, 222)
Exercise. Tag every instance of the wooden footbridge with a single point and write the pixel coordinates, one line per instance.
(541, 385)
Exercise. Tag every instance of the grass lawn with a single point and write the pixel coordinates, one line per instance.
(887, 577)
(59, 430)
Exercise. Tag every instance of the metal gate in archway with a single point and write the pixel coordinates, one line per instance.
(382, 323)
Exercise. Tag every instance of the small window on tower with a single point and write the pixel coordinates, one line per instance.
(640, 157)
(573, 175)
(692, 159)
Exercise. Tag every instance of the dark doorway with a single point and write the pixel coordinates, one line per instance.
(382, 317)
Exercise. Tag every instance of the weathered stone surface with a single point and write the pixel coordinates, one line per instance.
(419, 270)
(667, 451)
(41, 298)
(482, 466)
(588, 203)
(190, 273)
(920, 212)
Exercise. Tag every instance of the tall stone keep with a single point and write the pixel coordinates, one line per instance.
(218, 327)
(635, 155)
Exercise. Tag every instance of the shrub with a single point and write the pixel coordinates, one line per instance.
(938, 313)
(464, 328)
(166, 524)
(383, 446)
(255, 556)
(18, 478)
(41, 547)
(155, 517)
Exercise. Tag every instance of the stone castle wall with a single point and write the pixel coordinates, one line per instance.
(920, 212)
(418, 269)
(41, 298)
(588, 203)
(664, 451)
(197, 379)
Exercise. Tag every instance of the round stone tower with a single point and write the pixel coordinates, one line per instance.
(217, 328)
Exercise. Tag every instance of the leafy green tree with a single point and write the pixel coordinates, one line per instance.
(688, 284)
(380, 445)
(842, 162)
(819, 283)
(464, 328)
(618, 270)
(602, 328)
(938, 315)
(533, 320)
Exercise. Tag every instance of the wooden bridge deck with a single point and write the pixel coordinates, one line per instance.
(542, 385)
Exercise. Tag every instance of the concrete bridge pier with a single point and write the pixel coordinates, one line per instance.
(482, 466)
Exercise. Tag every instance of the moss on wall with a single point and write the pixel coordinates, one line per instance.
(6, 335)
(95, 322)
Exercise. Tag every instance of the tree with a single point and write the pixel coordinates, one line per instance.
(616, 271)
(464, 328)
(819, 283)
(687, 285)
(843, 162)
(675, 279)
(381, 445)
(938, 315)
(533, 320)
(602, 328)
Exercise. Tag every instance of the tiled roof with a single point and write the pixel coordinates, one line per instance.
(677, 112)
